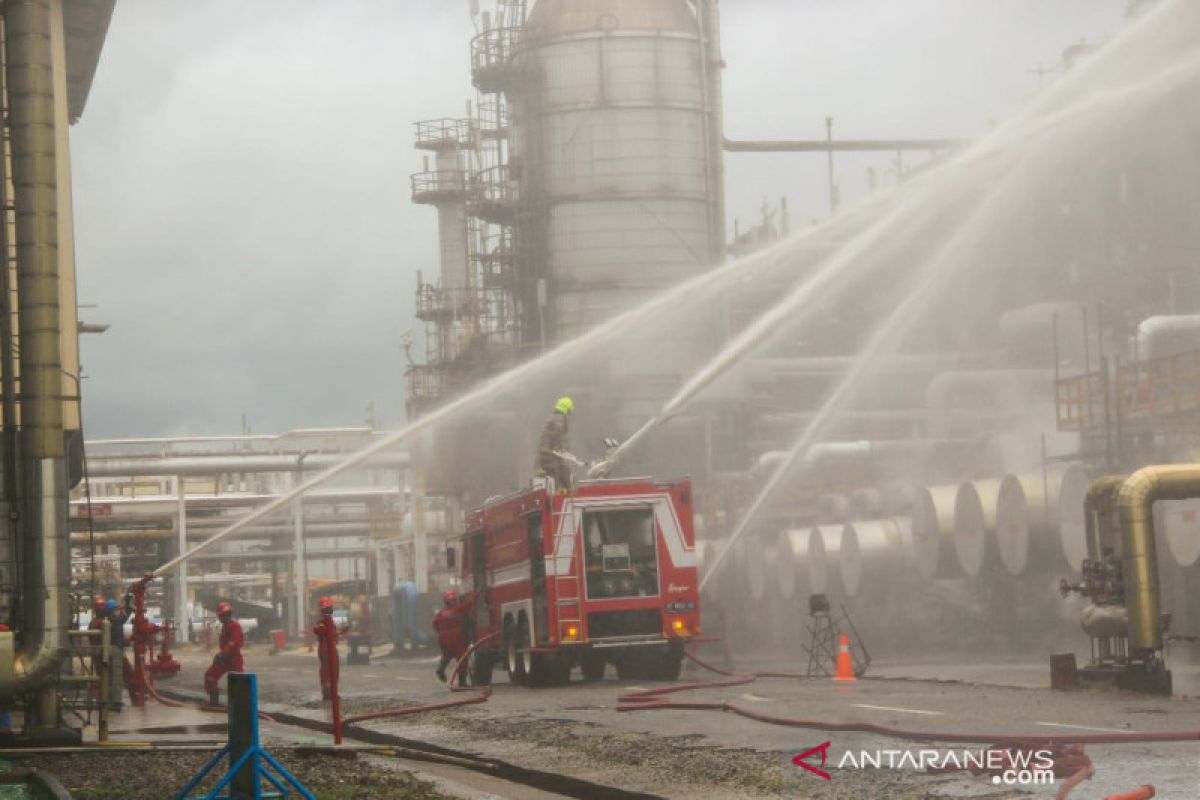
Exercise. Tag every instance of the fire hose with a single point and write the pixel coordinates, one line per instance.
(1070, 760)
(481, 697)
(152, 690)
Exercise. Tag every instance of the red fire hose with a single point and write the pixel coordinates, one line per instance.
(481, 697)
(166, 701)
(650, 699)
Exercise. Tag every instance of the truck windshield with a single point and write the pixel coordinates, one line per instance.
(620, 553)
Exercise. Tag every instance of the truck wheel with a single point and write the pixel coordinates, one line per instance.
(519, 657)
(667, 665)
(480, 667)
(592, 667)
(512, 662)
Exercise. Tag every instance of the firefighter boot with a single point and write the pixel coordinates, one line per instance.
(441, 672)
(214, 699)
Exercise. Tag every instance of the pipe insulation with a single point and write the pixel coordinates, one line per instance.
(46, 575)
(1135, 514)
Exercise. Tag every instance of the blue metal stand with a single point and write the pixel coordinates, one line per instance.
(249, 764)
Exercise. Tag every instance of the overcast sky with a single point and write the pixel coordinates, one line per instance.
(241, 175)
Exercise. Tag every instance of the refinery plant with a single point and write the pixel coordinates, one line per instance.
(960, 416)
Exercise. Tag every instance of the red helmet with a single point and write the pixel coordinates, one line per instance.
(101, 604)
(324, 603)
(224, 609)
(450, 597)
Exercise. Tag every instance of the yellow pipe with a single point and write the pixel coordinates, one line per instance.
(1135, 504)
(1097, 514)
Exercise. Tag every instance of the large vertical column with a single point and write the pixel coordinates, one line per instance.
(299, 606)
(30, 75)
(452, 223)
(420, 538)
(181, 575)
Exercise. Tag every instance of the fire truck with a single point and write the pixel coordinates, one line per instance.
(605, 574)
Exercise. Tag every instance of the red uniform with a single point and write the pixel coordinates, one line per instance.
(450, 623)
(327, 630)
(229, 658)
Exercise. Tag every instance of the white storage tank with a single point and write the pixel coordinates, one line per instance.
(610, 138)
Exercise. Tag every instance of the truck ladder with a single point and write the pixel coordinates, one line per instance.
(567, 594)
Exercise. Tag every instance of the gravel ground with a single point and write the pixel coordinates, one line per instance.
(154, 776)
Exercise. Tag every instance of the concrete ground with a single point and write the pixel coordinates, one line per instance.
(577, 730)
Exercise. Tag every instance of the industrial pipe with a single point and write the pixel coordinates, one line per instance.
(1135, 513)
(253, 463)
(1099, 532)
(30, 79)
(1155, 334)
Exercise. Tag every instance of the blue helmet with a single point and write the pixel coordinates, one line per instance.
(111, 605)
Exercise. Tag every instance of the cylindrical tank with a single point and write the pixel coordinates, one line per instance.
(1027, 516)
(824, 557)
(610, 132)
(933, 531)
(872, 551)
(791, 570)
(1179, 523)
(975, 525)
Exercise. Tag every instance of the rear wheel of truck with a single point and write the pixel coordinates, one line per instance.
(519, 657)
(549, 669)
(592, 666)
(479, 666)
(512, 661)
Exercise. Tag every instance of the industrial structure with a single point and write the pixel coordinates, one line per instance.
(50, 53)
(587, 175)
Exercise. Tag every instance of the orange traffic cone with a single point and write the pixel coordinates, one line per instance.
(845, 663)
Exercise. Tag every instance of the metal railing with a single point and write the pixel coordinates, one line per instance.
(437, 134)
(1142, 391)
(438, 185)
(493, 56)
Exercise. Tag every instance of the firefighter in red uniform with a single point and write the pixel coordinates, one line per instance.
(229, 657)
(450, 623)
(326, 631)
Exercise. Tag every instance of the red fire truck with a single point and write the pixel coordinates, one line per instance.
(604, 574)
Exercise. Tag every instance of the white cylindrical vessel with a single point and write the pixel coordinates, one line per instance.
(610, 132)
(933, 531)
(1179, 523)
(791, 570)
(871, 550)
(1026, 513)
(824, 557)
(975, 525)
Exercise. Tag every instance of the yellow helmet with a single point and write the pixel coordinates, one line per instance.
(565, 405)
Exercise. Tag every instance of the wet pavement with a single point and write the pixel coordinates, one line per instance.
(679, 753)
